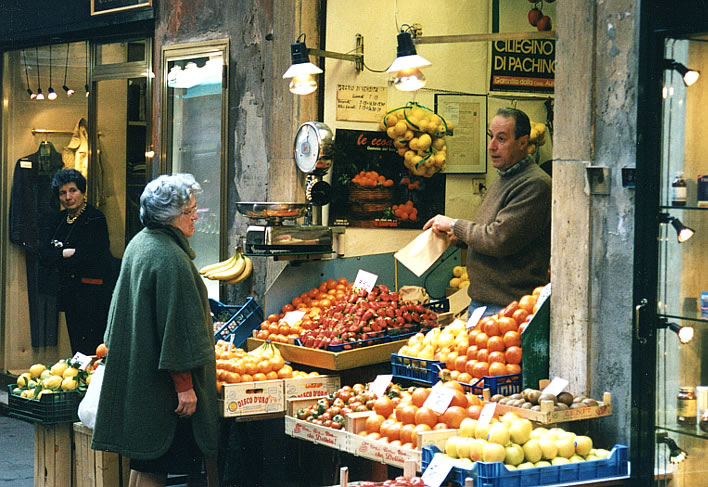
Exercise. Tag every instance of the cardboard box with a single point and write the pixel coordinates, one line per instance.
(253, 398)
(311, 386)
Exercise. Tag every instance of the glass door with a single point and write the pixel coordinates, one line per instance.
(194, 122)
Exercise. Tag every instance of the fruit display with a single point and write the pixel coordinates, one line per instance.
(459, 279)
(233, 270)
(63, 376)
(361, 315)
(536, 17)
(515, 442)
(405, 211)
(531, 399)
(371, 179)
(418, 134)
(235, 365)
(537, 137)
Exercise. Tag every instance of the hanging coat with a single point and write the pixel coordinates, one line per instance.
(159, 322)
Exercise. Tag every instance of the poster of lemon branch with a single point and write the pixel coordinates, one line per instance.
(467, 148)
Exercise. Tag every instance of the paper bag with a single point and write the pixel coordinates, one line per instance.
(423, 251)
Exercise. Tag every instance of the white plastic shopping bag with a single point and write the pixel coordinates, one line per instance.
(89, 404)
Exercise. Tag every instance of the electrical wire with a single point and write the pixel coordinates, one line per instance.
(24, 60)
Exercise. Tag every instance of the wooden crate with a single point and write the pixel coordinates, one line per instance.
(94, 468)
(323, 359)
(252, 399)
(52, 455)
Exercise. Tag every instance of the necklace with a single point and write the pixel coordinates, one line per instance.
(72, 219)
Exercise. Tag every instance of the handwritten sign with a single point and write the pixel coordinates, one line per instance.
(365, 280)
(82, 359)
(487, 413)
(556, 386)
(292, 317)
(380, 384)
(439, 399)
(476, 316)
(437, 471)
(361, 103)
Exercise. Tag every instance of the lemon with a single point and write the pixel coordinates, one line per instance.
(59, 368)
(391, 132)
(69, 384)
(87, 380)
(70, 372)
(458, 270)
(52, 382)
(23, 379)
(438, 143)
(424, 141)
(32, 383)
(455, 282)
(17, 391)
(45, 373)
(400, 128)
(36, 370)
(28, 393)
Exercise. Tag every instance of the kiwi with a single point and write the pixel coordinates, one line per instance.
(518, 403)
(561, 406)
(547, 397)
(590, 402)
(579, 398)
(535, 408)
(496, 397)
(577, 405)
(525, 392)
(533, 396)
(503, 400)
(527, 405)
(565, 398)
(516, 396)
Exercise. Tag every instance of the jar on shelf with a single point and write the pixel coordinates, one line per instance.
(686, 405)
(678, 190)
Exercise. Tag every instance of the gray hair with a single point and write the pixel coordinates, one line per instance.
(164, 198)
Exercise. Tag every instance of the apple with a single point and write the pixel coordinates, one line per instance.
(538, 432)
(532, 451)
(476, 449)
(468, 427)
(514, 454)
(583, 445)
(510, 467)
(524, 466)
(493, 452)
(481, 432)
(548, 448)
(576, 459)
(602, 453)
(542, 463)
(451, 447)
(509, 417)
(590, 457)
(566, 448)
(560, 461)
(463, 447)
(498, 433)
(520, 430)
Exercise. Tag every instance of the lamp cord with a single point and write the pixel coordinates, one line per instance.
(36, 51)
(24, 60)
(66, 64)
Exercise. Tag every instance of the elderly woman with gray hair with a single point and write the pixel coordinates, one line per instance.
(158, 398)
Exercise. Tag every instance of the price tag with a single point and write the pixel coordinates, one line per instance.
(437, 471)
(556, 386)
(545, 292)
(365, 280)
(380, 384)
(82, 359)
(476, 316)
(292, 317)
(487, 413)
(439, 399)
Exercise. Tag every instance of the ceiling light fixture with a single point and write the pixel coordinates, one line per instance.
(685, 333)
(52, 94)
(408, 63)
(683, 233)
(29, 90)
(302, 72)
(690, 76)
(86, 85)
(68, 90)
(40, 95)
(676, 454)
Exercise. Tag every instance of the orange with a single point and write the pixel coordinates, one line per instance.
(497, 357)
(513, 355)
(285, 372)
(472, 335)
(454, 374)
(512, 338)
(462, 349)
(528, 302)
(454, 415)
(458, 399)
(496, 369)
(495, 344)
(426, 416)
(481, 340)
(440, 426)
(450, 361)
(473, 400)
(480, 369)
(384, 406)
(264, 366)
(507, 324)
(407, 415)
(420, 394)
(460, 362)
(250, 366)
(520, 315)
(331, 283)
(537, 290)
(464, 377)
(276, 362)
(451, 384)
(374, 436)
(374, 422)
(510, 308)
(483, 355)
(259, 376)
(272, 375)
(513, 369)
(469, 368)
(419, 428)
(101, 350)
(246, 378)
(393, 431)
(472, 352)
(491, 327)
(474, 411)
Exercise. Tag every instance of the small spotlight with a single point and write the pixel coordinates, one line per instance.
(31, 94)
(51, 95)
(40, 95)
(685, 333)
(68, 90)
(301, 70)
(690, 76)
(676, 454)
(683, 233)
(407, 65)
(88, 92)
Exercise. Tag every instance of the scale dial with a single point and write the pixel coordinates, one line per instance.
(313, 146)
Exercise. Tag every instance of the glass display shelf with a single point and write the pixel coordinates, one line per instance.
(682, 208)
(693, 431)
(696, 317)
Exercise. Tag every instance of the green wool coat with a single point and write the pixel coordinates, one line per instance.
(159, 322)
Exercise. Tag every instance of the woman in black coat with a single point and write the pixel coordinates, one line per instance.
(80, 249)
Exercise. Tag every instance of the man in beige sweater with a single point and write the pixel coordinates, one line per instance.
(509, 239)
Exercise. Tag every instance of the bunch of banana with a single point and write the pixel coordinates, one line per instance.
(537, 137)
(233, 270)
(266, 349)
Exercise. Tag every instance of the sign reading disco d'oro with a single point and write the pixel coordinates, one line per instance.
(527, 65)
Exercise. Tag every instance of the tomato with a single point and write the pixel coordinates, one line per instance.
(273, 318)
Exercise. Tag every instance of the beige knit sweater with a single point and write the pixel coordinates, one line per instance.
(510, 237)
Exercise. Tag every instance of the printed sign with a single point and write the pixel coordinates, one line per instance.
(365, 280)
(292, 317)
(524, 65)
(82, 359)
(437, 471)
(487, 413)
(439, 399)
(556, 386)
(476, 316)
(380, 384)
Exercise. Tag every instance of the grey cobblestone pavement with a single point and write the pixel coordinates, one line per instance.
(16, 452)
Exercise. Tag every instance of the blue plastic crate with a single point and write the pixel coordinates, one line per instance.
(500, 384)
(243, 321)
(487, 474)
(415, 369)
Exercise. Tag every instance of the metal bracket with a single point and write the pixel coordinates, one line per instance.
(598, 179)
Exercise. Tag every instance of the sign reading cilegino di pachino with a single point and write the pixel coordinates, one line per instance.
(523, 65)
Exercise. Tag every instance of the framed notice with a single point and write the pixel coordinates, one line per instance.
(99, 7)
(467, 148)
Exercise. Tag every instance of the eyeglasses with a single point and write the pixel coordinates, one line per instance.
(191, 212)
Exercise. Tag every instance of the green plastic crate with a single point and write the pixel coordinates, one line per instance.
(59, 407)
(535, 344)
